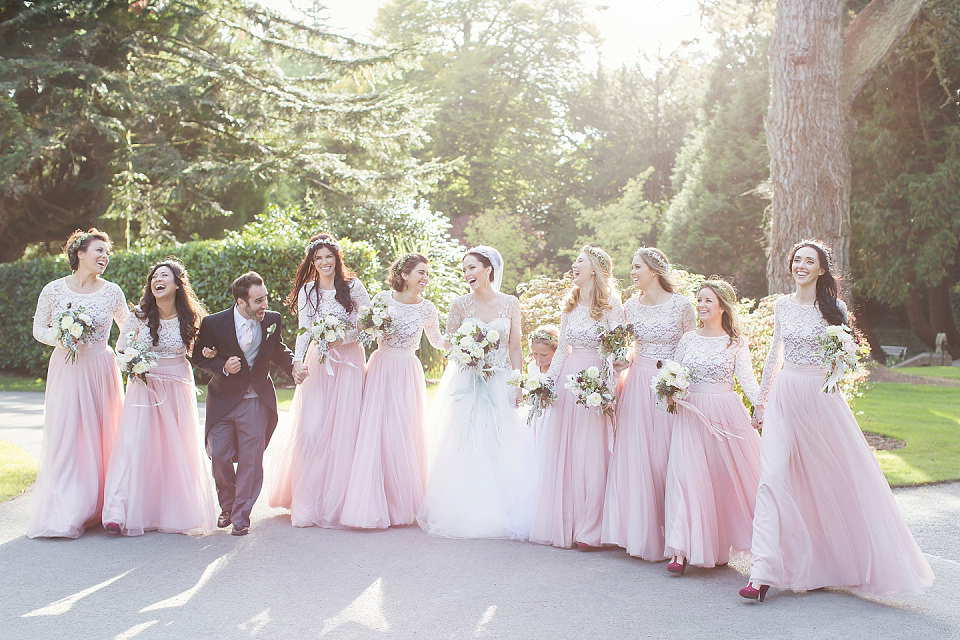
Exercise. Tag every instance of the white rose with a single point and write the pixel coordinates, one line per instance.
(141, 367)
(330, 320)
(85, 318)
(476, 352)
(330, 335)
(466, 342)
(533, 384)
(66, 322)
(834, 330)
(673, 367)
(76, 330)
(515, 376)
(593, 372)
(492, 336)
(594, 400)
(850, 346)
(681, 381)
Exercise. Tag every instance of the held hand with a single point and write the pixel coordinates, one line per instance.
(300, 372)
(671, 401)
(620, 366)
(209, 352)
(516, 401)
(233, 365)
(757, 420)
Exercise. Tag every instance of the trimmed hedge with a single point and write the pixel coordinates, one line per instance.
(211, 264)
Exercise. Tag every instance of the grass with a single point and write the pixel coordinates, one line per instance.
(927, 418)
(11, 382)
(18, 470)
(934, 372)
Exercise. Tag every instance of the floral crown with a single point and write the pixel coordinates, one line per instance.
(819, 245)
(722, 288)
(655, 256)
(539, 335)
(329, 242)
(601, 257)
(402, 260)
(79, 241)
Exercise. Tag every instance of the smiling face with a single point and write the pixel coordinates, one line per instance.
(255, 306)
(418, 278)
(94, 258)
(163, 284)
(542, 354)
(324, 262)
(806, 267)
(641, 273)
(476, 275)
(708, 306)
(582, 270)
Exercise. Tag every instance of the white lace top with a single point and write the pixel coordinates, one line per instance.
(658, 328)
(106, 306)
(170, 343)
(579, 331)
(309, 311)
(409, 322)
(507, 321)
(796, 328)
(713, 360)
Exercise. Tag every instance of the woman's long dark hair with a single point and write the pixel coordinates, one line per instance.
(828, 285)
(342, 277)
(190, 311)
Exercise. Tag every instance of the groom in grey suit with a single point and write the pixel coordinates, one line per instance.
(241, 400)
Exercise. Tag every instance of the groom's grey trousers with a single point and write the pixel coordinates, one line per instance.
(240, 434)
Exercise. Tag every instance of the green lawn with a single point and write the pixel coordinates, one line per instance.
(927, 418)
(17, 470)
(934, 372)
(10, 382)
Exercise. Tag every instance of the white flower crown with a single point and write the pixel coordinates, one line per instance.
(329, 242)
(598, 254)
(653, 255)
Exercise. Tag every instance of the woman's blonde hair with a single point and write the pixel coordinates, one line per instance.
(727, 297)
(603, 284)
(547, 334)
(657, 261)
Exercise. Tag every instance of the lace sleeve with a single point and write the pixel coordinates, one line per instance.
(774, 359)
(688, 317)
(43, 318)
(843, 307)
(305, 320)
(455, 317)
(431, 325)
(131, 325)
(682, 347)
(615, 317)
(516, 334)
(743, 370)
(360, 297)
(120, 308)
(560, 356)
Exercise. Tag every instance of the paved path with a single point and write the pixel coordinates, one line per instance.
(282, 582)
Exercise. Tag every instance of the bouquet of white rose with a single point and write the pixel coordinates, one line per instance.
(671, 381)
(536, 391)
(71, 327)
(615, 342)
(375, 322)
(135, 359)
(589, 387)
(323, 333)
(469, 346)
(840, 349)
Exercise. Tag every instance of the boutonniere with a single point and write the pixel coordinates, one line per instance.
(271, 329)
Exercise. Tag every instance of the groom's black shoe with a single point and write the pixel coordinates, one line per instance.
(240, 531)
(224, 519)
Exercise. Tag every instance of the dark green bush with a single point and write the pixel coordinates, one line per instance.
(212, 266)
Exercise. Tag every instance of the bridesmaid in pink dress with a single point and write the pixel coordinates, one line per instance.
(84, 399)
(825, 515)
(313, 466)
(633, 508)
(389, 467)
(157, 478)
(577, 439)
(714, 462)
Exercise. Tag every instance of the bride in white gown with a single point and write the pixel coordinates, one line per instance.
(480, 451)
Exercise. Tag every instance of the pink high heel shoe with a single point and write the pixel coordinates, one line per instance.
(677, 567)
(752, 593)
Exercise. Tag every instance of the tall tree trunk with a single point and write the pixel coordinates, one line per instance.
(808, 135)
(864, 324)
(941, 317)
(917, 317)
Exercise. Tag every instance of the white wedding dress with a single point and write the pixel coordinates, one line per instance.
(481, 460)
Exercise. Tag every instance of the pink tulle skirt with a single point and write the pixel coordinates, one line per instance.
(312, 468)
(573, 472)
(81, 411)
(158, 479)
(712, 478)
(633, 507)
(387, 479)
(825, 514)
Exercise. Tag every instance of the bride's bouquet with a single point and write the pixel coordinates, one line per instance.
(323, 332)
(671, 381)
(840, 349)
(589, 388)
(71, 327)
(536, 391)
(469, 346)
(614, 342)
(375, 322)
(136, 359)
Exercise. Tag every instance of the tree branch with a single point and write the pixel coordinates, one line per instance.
(870, 37)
